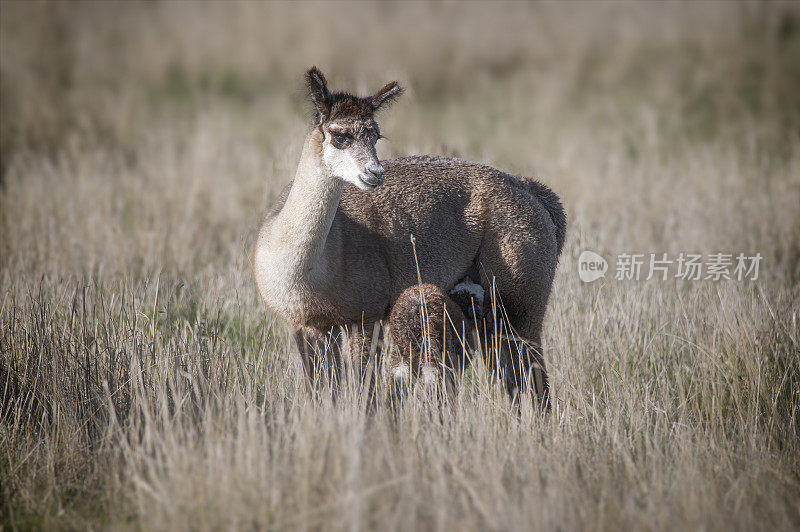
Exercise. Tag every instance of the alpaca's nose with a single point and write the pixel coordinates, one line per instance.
(374, 171)
(375, 167)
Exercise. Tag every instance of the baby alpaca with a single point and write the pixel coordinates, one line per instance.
(431, 332)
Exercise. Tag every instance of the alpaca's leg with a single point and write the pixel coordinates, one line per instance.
(466, 324)
(516, 327)
(364, 351)
(405, 331)
(364, 345)
(320, 352)
(525, 364)
(400, 370)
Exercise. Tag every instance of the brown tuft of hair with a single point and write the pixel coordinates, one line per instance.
(337, 105)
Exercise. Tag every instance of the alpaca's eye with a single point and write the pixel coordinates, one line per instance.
(340, 140)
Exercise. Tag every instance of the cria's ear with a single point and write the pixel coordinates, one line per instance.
(386, 95)
(318, 92)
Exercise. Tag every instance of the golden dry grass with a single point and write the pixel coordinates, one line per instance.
(143, 387)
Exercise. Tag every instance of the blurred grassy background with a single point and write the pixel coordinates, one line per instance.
(592, 95)
(140, 142)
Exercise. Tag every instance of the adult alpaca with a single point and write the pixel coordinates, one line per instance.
(329, 256)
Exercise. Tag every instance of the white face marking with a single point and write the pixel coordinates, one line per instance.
(343, 164)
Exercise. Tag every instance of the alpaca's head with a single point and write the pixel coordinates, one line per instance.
(349, 130)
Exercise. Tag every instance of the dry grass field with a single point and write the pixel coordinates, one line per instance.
(144, 386)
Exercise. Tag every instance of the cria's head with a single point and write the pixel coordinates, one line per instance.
(349, 130)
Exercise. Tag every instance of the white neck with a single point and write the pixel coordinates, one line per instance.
(296, 236)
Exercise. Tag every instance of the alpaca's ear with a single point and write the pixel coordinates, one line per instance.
(318, 92)
(386, 95)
